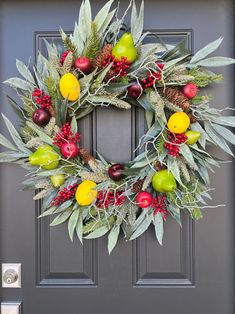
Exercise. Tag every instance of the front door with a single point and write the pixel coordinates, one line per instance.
(193, 271)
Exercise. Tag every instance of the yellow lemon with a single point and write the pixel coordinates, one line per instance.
(85, 194)
(69, 87)
(178, 122)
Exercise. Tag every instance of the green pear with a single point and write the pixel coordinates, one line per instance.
(45, 157)
(163, 181)
(193, 137)
(125, 47)
(57, 180)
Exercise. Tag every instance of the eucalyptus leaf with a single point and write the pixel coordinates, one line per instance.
(217, 138)
(137, 22)
(226, 120)
(159, 228)
(79, 228)
(149, 117)
(74, 125)
(6, 143)
(225, 133)
(61, 218)
(72, 223)
(187, 154)
(205, 51)
(15, 135)
(142, 227)
(44, 137)
(48, 212)
(24, 71)
(102, 15)
(18, 83)
(216, 62)
(175, 213)
(98, 233)
(113, 237)
(17, 108)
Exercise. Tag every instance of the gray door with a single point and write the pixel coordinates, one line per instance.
(194, 271)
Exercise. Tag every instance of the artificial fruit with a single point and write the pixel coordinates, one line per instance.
(41, 117)
(115, 172)
(86, 193)
(57, 180)
(45, 157)
(178, 122)
(69, 87)
(144, 199)
(163, 181)
(193, 137)
(125, 47)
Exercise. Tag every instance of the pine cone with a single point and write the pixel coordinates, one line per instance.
(192, 118)
(85, 155)
(176, 97)
(137, 186)
(98, 61)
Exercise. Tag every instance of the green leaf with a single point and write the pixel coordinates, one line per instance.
(217, 139)
(149, 117)
(18, 83)
(173, 62)
(24, 71)
(175, 212)
(74, 125)
(44, 137)
(196, 213)
(79, 228)
(72, 223)
(15, 135)
(98, 233)
(197, 127)
(137, 22)
(187, 154)
(61, 218)
(226, 120)
(113, 237)
(216, 62)
(142, 227)
(48, 212)
(225, 133)
(205, 51)
(159, 228)
(6, 143)
(102, 15)
(172, 166)
(17, 108)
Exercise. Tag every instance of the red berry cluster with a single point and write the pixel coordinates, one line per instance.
(41, 99)
(175, 140)
(152, 77)
(119, 67)
(104, 199)
(64, 195)
(65, 135)
(159, 205)
(63, 56)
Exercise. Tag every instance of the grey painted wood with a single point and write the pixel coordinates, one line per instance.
(194, 271)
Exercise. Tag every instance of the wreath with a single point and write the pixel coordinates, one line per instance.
(106, 64)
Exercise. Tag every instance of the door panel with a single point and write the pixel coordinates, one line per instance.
(193, 271)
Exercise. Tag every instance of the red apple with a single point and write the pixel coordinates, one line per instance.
(69, 150)
(144, 199)
(41, 117)
(134, 91)
(190, 90)
(115, 172)
(83, 64)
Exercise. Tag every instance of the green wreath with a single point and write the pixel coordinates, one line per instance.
(104, 65)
